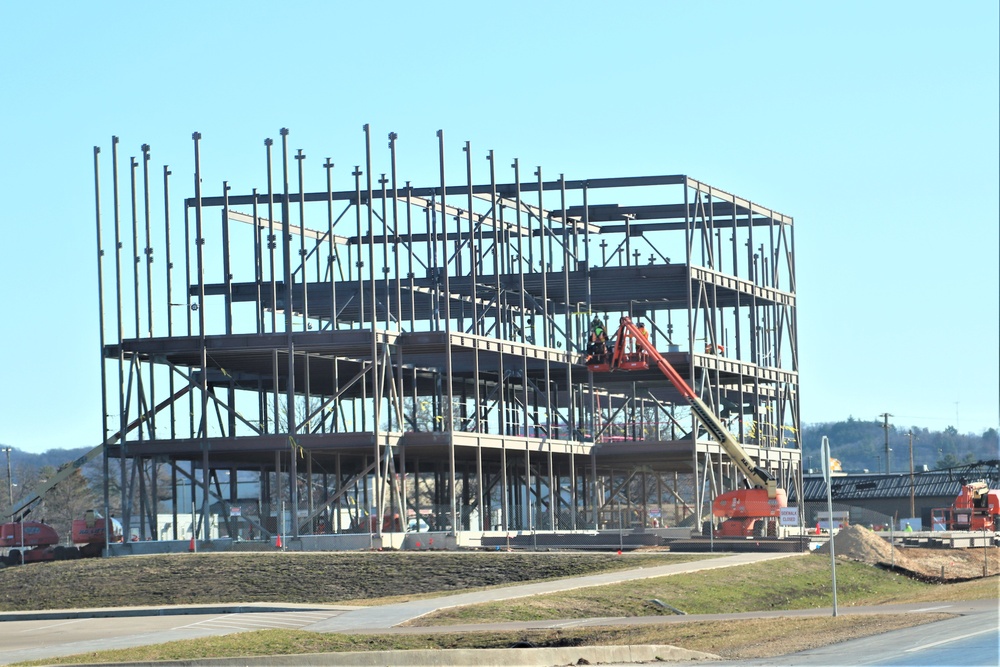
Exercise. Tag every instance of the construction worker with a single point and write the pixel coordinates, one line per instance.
(597, 343)
(597, 331)
(645, 334)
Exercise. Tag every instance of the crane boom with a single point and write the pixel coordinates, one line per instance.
(758, 477)
(23, 508)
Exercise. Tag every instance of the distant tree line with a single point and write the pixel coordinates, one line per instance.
(860, 445)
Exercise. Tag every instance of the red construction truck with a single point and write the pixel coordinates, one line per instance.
(34, 541)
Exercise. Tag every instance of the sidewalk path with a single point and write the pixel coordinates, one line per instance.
(386, 616)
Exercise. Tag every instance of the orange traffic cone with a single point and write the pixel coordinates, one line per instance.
(191, 546)
(817, 528)
(277, 541)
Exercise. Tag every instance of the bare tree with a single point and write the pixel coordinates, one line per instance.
(66, 501)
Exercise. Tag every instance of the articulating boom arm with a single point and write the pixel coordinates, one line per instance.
(24, 507)
(759, 477)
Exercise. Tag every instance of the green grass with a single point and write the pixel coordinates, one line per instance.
(791, 583)
(752, 638)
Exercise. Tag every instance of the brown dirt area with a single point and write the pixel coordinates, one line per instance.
(317, 577)
(859, 543)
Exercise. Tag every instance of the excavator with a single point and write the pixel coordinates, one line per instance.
(748, 512)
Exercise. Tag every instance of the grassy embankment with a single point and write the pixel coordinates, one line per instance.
(786, 584)
(319, 578)
(791, 583)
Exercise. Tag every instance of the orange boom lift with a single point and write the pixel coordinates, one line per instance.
(747, 512)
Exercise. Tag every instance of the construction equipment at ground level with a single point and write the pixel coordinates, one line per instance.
(34, 541)
(23, 508)
(976, 508)
(746, 512)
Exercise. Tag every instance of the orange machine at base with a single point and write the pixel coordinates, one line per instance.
(34, 541)
(975, 508)
(34, 538)
(90, 531)
(749, 512)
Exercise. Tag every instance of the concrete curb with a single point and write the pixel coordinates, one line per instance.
(487, 657)
(125, 612)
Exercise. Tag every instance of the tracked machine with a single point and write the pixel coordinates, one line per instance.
(745, 512)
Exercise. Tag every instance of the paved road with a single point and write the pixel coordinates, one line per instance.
(971, 640)
(59, 635)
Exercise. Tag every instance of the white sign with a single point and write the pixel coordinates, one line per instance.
(789, 516)
(235, 511)
(828, 520)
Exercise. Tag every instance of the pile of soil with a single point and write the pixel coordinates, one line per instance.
(860, 544)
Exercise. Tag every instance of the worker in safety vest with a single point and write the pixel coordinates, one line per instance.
(597, 343)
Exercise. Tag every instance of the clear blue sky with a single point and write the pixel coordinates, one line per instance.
(874, 124)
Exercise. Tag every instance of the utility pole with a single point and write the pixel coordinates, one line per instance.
(912, 490)
(10, 483)
(885, 425)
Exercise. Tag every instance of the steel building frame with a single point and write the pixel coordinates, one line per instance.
(421, 347)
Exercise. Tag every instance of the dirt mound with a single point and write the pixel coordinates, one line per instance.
(859, 543)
